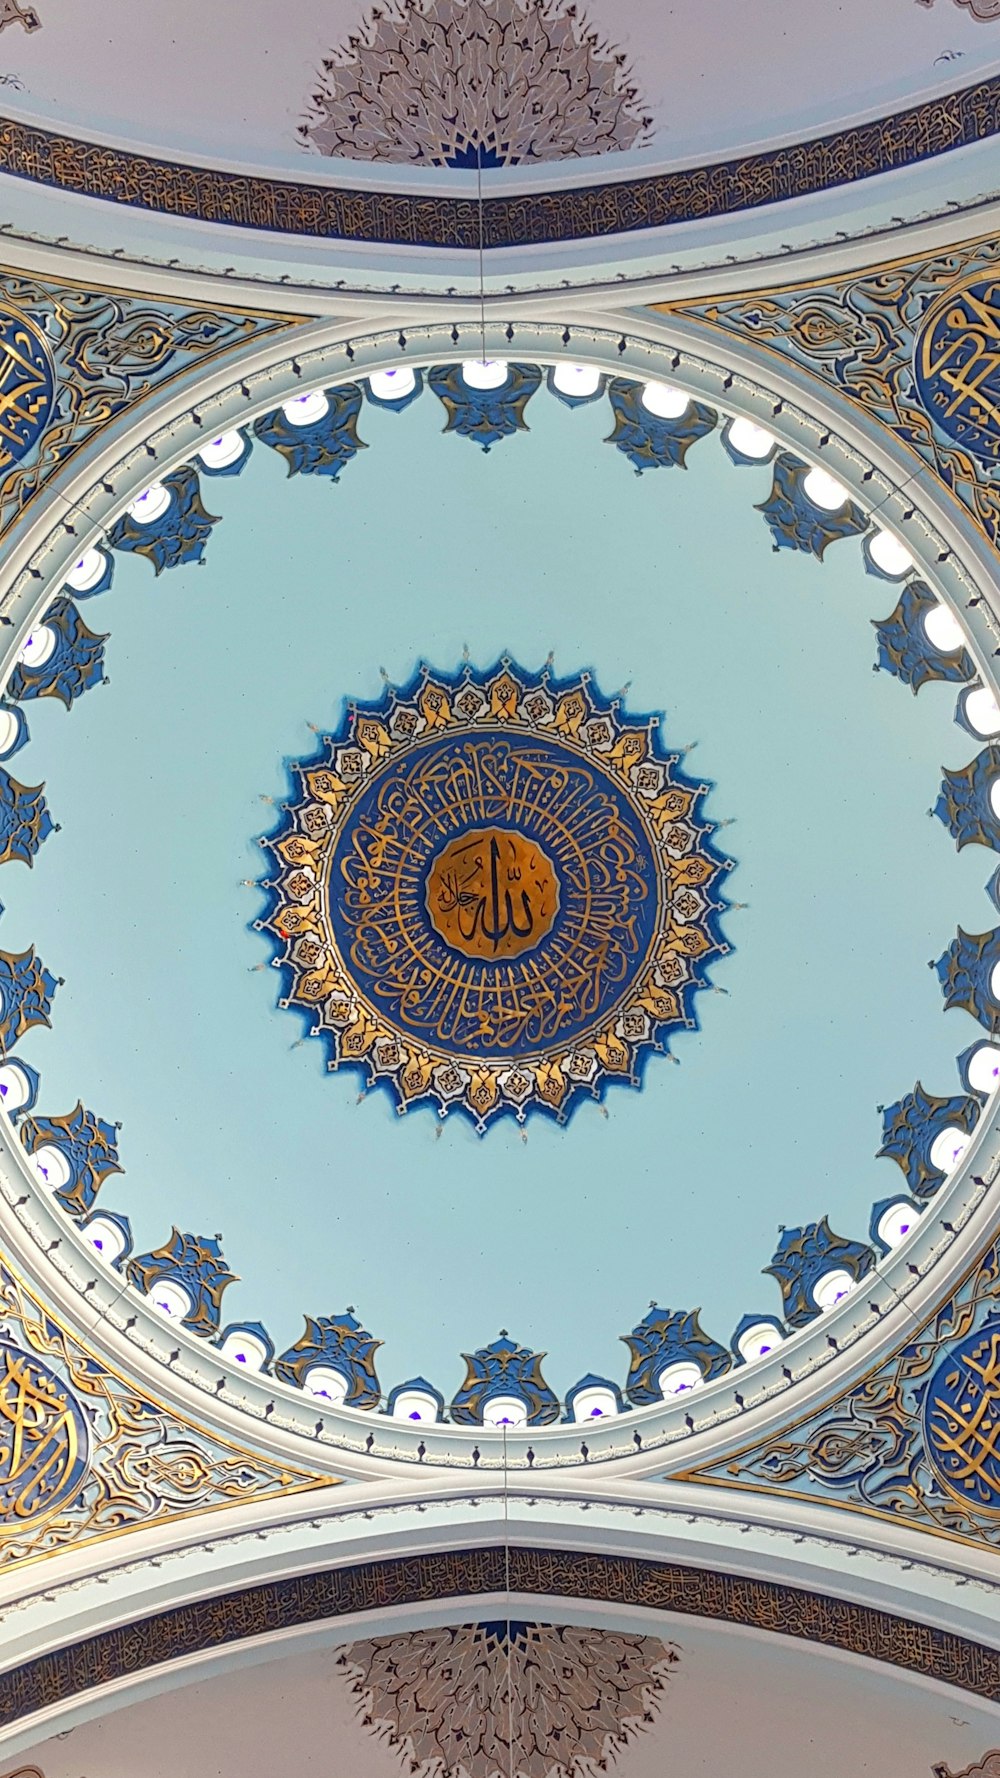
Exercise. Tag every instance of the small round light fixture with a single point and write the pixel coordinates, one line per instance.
(326, 1384)
(150, 505)
(392, 385)
(677, 1379)
(983, 1068)
(505, 1410)
(663, 400)
(943, 630)
(831, 1288)
(580, 380)
(757, 1341)
(982, 712)
(484, 373)
(37, 647)
(414, 1404)
(750, 440)
(105, 1237)
(305, 410)
(597, 1402)
(87, 571)
(170, 1299)
(889, 554)
(895, 1223)
(50, 1166)
(948, 1147)
(222, 452)
(825, 491)
(245, 1349)
(15, 1088)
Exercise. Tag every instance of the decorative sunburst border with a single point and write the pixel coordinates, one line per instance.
(504, 699)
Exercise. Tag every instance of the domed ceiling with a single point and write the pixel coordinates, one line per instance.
(431, 84)
(435, 673)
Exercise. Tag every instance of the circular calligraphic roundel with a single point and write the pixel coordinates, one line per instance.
(956, 365)
(495, 893)
(44, 1440)
(962, 1419)
(27, 385)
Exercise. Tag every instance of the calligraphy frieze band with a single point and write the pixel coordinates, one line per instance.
(305, 1599)
(285, 206)
(496, 892)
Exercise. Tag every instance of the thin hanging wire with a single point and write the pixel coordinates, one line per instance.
(506, 1579)
(482, 282)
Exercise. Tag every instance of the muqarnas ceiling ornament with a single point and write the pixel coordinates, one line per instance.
(577, 1697)
(474, 83)
(494, 893)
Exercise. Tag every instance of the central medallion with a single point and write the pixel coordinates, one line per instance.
(494, 893)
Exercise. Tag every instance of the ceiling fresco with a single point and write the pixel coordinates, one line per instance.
(156, 921)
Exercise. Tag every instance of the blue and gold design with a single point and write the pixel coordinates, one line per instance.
(910, 1127)
(44, 1441)
(495, 892)
(26, 992)
(325, 445)
(484, 415)
(338, 1343)
(964, 804)
(178, 535)
(803, 1257)
(966, 975)
(796, 522)
(195, 1262)
(663, 1338)
(504, 1369)
(962, 1418)
(90, 1147)
(956, 365)
(75, 664)
(24, 819)
(648, 440)
(27, 385)
(904, 647)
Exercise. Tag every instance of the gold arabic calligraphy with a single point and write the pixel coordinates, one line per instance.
(964, 1422)
(958, 365)
(40, 1440)
(492, 894)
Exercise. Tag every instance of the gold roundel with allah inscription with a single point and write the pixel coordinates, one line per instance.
(492, 894)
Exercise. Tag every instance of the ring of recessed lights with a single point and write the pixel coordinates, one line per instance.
(655, 422)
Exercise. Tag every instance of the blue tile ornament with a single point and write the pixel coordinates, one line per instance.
(663, 1338)
(89, 1146)
(910, 1127)
(24, 819)
(326, 445)
(484, 415)
(180, 533)
(964, 803)
(795, 521)
(905, 649)
(341, 1343)
(74, 666)
(504, 1368)
(648, 440)
(802, 1258)
(196, 1263)
(965, 973)
(26, 993)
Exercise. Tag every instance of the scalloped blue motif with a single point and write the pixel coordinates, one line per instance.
(565, 986)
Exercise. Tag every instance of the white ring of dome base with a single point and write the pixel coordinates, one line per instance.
(948, 1147)
(750, 440)
(677, 1379)
(86, 573)
(982, 712)
(485, 373)
(895, 1223)
(392, 385)
(150, 505)
(221, 452)
(831, 1288)
(505, 1410)
(305, 410)
(576, 379)
(663, 400)
(825, 491)
(889, 554)
(755, 1342)
(38, 647)
(983, 1069)
(943, 630)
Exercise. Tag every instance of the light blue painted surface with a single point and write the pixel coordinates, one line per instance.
(827, 770)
